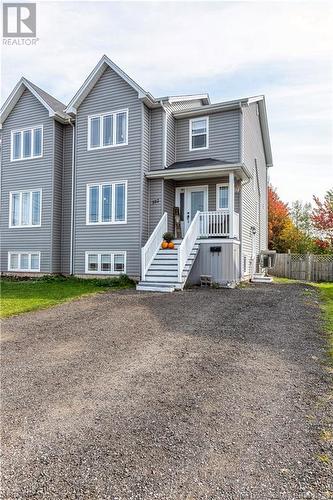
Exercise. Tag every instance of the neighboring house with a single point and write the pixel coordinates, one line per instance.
(89, 189)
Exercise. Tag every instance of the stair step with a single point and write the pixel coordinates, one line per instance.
(163, 272)
(154, 287)
(262, 279)
(161, 279)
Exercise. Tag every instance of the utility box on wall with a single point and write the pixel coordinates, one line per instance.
(221, 261)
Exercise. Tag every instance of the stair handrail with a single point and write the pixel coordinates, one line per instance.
(186, 246)
(149, 251)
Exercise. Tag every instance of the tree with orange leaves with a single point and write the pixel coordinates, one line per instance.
(278, 220)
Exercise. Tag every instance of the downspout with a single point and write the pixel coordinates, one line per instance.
(164, 155)
(72, 199)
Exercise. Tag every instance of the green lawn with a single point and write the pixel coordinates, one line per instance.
(326, 295)
(18, 296)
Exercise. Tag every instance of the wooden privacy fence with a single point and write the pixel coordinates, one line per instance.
(307, 267)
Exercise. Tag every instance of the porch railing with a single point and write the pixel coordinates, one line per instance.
(152, 246)
(186, 246)
(219, 223)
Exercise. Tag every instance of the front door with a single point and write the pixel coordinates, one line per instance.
(190, 200)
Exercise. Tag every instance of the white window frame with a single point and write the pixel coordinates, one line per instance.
(100, 203)
(21, 130)
(20, 226)
(222, 184)
(199, 118)
(114, 129)
(19, 269)
(99, 254)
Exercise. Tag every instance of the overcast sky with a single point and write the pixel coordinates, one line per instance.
(229, 49)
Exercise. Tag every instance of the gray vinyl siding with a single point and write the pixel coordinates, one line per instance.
(156, 139)
(224, 138)
(223, 267)
(109, 165)
(171, 126)
(253, 149)
(57, 197)
(66, 200)
(169, 202)
(155, 203)
(27, 175)
(145, 169)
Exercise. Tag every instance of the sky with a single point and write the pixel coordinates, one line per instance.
(230, 49)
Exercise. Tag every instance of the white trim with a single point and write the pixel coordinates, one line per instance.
(21, 130)
(222, 184)
(18, 269)
(201, 118)
(114, 129)
(218, 240)
(193, 97)
(187, 203)
(113, 201)
(99, 253)
(15, 95)
(31, 225)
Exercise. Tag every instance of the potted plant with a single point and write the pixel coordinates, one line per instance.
(167, 240)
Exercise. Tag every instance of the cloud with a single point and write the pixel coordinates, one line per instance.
(282, 49)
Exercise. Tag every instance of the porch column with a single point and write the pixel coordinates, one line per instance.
(231, 203)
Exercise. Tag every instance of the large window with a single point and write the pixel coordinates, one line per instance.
(27, 143)
(106, 203)
(222, 196)
(108, 129)
(199, 133)
(105, 262)
(24, 261)
(25, 208)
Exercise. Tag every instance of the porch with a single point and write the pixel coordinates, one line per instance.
(216, 198)
(197, 203)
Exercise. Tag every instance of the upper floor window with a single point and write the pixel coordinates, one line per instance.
(108, 129)
(222, 196)
(25, 208)
(27, 143)
(107, 203)
(199, 133)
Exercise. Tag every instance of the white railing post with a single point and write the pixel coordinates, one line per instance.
(153, 244)
(185, 248)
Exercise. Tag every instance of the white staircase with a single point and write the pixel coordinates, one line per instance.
(167, 270)
(162, 275)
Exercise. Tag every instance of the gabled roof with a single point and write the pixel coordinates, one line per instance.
(145, 96)
(236, 104)
(94, 77)
(53, 106)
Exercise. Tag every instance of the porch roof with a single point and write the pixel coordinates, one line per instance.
(198, 169)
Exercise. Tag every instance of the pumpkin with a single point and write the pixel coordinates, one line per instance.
(171, 244)
(164, 244)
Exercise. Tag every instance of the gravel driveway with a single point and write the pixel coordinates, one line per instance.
(216, 394)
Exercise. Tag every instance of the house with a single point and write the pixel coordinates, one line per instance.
(90, 188)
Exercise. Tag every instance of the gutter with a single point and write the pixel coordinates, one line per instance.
(71, 258)
(216, 169)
